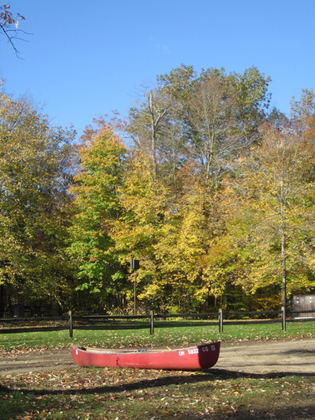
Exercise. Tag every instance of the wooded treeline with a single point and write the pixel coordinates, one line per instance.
(207, 186)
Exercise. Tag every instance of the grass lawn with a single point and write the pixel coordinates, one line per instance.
(93, 393)
(175, 336)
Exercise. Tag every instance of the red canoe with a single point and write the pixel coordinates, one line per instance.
(192, 358)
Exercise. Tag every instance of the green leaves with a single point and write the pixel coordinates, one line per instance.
(34, 212)
(97, 207)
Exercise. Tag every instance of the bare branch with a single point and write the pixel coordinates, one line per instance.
(9, 24)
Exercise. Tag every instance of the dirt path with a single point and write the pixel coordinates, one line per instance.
(294, 356)
(36, 361)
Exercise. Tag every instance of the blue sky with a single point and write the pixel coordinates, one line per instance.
(84, 59)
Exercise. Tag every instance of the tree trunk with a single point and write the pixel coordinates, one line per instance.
(283, 251)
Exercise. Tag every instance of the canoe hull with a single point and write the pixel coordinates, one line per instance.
(193, 358)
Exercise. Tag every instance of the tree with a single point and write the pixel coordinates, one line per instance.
(97, 207)
(211, 118)
(199, 124)
(224, 115)
(147, 124)
(275, 186)
(145, 206)
(34, 202)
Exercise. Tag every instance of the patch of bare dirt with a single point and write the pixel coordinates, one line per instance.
(289, 356)
(36, 361)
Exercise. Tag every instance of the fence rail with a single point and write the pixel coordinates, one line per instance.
(76, 322)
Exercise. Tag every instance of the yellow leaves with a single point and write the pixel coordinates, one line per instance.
(270, 201)
(33, 178)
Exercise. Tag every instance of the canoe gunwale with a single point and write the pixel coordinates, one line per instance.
(104, 350)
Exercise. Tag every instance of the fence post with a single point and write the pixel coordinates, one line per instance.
(283, 315)
(220, 320)
(151, 322)
(70, 325)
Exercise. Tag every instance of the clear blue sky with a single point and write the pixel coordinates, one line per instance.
(85, 58)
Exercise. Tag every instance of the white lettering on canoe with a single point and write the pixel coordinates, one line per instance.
(193, 351)
(204, 349)
(181, 353)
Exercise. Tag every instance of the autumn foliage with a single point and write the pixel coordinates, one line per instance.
(35, 204)
(212, 192)
(213, 195)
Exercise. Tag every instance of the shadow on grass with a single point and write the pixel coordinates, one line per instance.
(301, 408)
(118, 325)
(206, 375)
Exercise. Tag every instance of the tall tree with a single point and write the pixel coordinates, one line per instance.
(97, 207)
(148, 119)
(210, 118)
(224, 114)
(276, 187)
(34, 202)
(202, 123)
(145, 205)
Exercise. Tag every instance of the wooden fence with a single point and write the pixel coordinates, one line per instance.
(101, 322)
